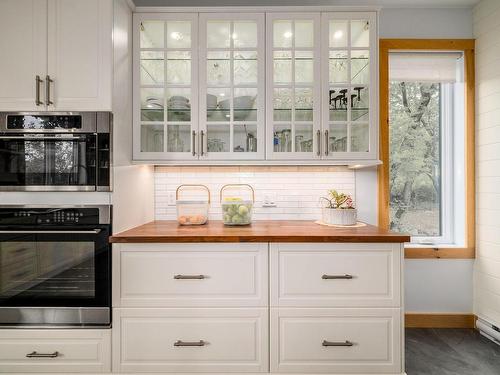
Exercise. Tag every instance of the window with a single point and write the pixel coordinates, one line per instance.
(426, 146)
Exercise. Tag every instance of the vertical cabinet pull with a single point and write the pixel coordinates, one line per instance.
(326, 142)
(189, 343)
(35, 354)
(337, 343)
(38, 81)
(47, 90)
(337, 277)
(193, 143)
(318, 135)
(202, 136)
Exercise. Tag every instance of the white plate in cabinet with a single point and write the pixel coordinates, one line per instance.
(55, 350)
(366, 341)
(335, 275)
(190, 275)
(190, 340)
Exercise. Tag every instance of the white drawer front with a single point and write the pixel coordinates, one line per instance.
(233, 340)
(319, 340)
(335, 275)
(167, 275)
(77, 350)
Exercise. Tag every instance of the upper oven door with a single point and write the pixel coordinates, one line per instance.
(48, 162)
(55, 269)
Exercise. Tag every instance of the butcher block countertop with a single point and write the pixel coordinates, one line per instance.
(164, 231)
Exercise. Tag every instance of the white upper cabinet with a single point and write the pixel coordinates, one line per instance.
(23, 46)
(349, 79)
(166, 87)
(277, 87)
(232, 86)
(80, 55)
(57, 55)
(293, 86)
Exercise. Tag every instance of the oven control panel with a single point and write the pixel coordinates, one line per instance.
(56, 216)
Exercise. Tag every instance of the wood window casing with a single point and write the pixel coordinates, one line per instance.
(467, 47)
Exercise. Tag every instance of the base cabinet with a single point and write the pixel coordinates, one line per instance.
(55, 350)
(350, 341)
(190, 340)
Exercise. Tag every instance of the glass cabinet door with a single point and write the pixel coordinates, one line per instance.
(349, 42)
(165, 88)
(293, 88)
(232, 86)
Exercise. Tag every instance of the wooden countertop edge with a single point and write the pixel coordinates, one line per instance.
(254, 238)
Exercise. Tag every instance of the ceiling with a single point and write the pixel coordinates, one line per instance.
(383, 3)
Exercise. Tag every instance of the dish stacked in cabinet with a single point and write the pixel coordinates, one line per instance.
(190, 307)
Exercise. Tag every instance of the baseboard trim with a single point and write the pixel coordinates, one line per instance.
(439, 320)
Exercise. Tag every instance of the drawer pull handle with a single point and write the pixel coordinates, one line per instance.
(34, 354)
(337, 343)
(337, 277)
(190, 343)
(189, 277)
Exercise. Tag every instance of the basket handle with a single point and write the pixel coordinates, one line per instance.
(179, 188)
(237, 185)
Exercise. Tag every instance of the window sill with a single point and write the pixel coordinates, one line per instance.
(441, 251)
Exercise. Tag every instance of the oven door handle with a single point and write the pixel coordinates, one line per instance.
(41, 138)
(93, 231)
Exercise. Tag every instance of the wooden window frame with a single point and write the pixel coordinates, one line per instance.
(467, 47)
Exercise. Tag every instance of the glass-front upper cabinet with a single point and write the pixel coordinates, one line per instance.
(293, 86)
(348, 86)
(232, 118)
(165, 86)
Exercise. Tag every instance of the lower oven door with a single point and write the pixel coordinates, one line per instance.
(48, 162)
(55, 278)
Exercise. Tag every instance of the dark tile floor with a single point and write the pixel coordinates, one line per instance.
(450, 352)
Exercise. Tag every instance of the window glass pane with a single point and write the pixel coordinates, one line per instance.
(218, 34)
(218, 68)
(218, 104)
(178, 138)
(360, 33)
(282, 104)
(338, 103)
(245, 104)
(178, 104)
(360, 67)
(178, 34)
(338, 67)
(179, 67)
(415, 157)
(337, 138)
(304, 68)
(282, 66)
(304, 34)
(152, 104)
(152, 34)
(245, 34)
(282, 34)
(152, 68)
(218, 138)
(152, 138)
(245, 67)
(338, 34)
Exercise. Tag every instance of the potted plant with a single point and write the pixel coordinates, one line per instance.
(339, 209)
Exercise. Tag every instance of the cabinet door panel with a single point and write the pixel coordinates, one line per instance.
(23, 26)
(80, 59)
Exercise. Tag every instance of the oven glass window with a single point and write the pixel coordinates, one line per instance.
(47, 270)
(48, 160)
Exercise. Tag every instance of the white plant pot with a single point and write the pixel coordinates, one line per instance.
(339, 216)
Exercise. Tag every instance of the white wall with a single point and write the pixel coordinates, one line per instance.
(133, 188)
(487, 267)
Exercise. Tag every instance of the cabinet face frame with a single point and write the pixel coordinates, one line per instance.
(191, 155)
(372, 84)
(316, 87)
(258, 18)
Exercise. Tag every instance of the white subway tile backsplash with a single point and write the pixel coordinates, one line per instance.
(296, 193)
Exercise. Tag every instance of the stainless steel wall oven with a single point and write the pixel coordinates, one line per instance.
(51, 151)
(55, 266)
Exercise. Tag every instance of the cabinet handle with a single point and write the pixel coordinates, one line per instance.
(337, 343)
(193, 143)
(47, 90)
(189, 343)
(337, 277)
(38, 81)
(326, 142)
(202, 135)
(34, 354)
(189, 277)
(318, 135)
